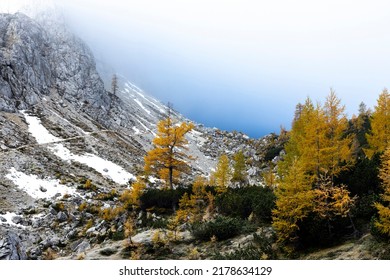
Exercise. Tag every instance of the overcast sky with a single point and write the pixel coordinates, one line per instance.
(241, 65)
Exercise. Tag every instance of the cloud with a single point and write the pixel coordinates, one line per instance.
(223, 56)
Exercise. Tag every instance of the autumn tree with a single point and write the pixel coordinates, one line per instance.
(168, 159)
(132, 196)
(307, 140)
(114, 84)
(269, 176)
(293, 202)
(318, 142)
(239, 169)
(223, 173)
(379, 136)
(337, 149)
(383, 221)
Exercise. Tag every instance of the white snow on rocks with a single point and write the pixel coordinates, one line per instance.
(38, 188)
(7, 219)
(41, 134)
(104, 167)
(142, 106)
(136, 130)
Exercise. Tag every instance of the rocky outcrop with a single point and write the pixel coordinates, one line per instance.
(34, 65)
(11, 248)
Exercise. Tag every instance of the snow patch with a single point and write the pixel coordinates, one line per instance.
(38, 188)
(40, 133)
(136, 130)
(8, 217)
(142, 106)
(43, 136)
(115, 172)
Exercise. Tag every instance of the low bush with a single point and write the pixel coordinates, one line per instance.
(162, 198)
(244, 201)
(221, 228)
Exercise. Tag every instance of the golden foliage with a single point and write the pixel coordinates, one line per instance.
(239, 168)
(379, 136)
(294, 201)
(131, 196)
(223, 174)
(168, 159)
(316, 152)
(383, 222)
(330, 200)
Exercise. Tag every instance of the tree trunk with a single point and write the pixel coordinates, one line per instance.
(171, 177)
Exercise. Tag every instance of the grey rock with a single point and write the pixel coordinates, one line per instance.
(11, 248)
(35, 253)
(62, 217)
(82, 247)
(42, 189)
(17, 219)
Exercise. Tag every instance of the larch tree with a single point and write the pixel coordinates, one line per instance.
(114, 84)
(293, 202)
(239, 169)
(168, 159)
(337, 151)
(383, 221)
(379, 137)
(223, 173)
(319, 147)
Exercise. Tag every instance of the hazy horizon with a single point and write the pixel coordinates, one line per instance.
(239, 65)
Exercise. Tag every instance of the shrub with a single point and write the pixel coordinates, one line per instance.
(59, 206)
(364, 208)
(87, 185)
(162, 198)
(107, 196)
(222, 228)
(272, 153)
(244, 201)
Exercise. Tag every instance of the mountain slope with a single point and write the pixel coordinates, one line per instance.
(66, 141)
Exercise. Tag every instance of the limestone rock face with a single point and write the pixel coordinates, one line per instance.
(35, 64)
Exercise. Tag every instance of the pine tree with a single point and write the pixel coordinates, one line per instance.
(223, 173)
(379, 136)
(168, 159)
(383, 221)
(239, 169)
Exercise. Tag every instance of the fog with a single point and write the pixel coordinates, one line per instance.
(239, 65)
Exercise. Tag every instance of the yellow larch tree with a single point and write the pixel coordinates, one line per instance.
(338, 148)
(239, 169)
(223, 173)
(318, 143)
(168, 159)
(293, 202)
(379, 137)
(383, 221)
